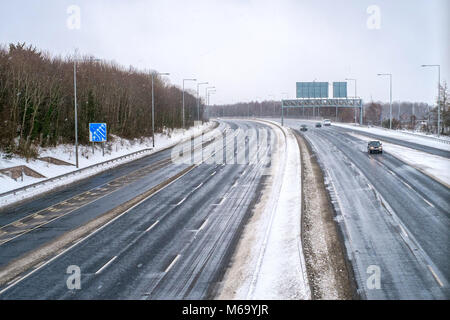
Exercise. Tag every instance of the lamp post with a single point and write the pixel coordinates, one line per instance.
(439, 94)
(390, 96)
(183, 97)
(350, 79)
(153, 104)
(75, 102)
(212, 92)
(206, 93)
(198, 100)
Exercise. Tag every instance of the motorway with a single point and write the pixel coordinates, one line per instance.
(173, 244)
(392, 216)
(173, 226)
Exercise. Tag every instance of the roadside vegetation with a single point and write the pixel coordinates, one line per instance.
(37, 100)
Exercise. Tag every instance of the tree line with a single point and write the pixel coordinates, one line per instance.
(37, 100)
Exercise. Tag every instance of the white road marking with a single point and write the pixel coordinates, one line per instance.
(171, 264)
(181, 201)
(106, 264)
(435, 276)
(203, 224)
(403, 230)
(151, 227)
(406, 184)
(198, 186)
(429, 203)
(221, 201)
(88, 236)
(213, 173)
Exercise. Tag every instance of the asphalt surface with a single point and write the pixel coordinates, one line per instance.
(417, 146)
(173, 245)
(391, 215)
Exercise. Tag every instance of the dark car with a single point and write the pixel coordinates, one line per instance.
(303, 127)
(318, 125)
(374, 147)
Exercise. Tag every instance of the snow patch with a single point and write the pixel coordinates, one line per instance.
(435, 166)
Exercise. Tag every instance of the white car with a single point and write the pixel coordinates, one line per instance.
(326, 122)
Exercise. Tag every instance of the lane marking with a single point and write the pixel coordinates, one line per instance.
(203, 224)
(213, 173)
(435, 276)
(406, 184)
(151, 227)
(429, 203)
(89, 235)
(181, 201)
(106, 264)
(45, 263)
(172, 263)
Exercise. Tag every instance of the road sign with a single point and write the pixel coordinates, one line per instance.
(97, 132)
(339, 89)
(312, 89)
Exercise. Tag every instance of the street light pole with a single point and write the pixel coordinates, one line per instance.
(439, 94)
(76, 113)
(206, 94)
(390, 96)
(350, 79)
(183, 97)
(198, 100)
(153, 105)
(209, 92)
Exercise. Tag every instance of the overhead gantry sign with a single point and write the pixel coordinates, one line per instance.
(322, 103)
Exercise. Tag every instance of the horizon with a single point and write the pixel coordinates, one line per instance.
(251, 51)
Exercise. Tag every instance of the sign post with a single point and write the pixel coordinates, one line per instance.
(98, 133)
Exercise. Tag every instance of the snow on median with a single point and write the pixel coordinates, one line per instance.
(268, 262)
(116, 148)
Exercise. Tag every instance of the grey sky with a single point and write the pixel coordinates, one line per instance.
(251, 49)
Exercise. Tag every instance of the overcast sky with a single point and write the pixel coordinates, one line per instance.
(249, 49)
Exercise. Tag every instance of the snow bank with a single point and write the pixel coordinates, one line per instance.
(282, 270)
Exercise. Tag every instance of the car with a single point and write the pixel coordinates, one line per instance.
(326, 122)
(318, 125)
(303, 127)
(375, 147)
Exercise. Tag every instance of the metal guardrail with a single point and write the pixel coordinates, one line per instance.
(101, 164)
